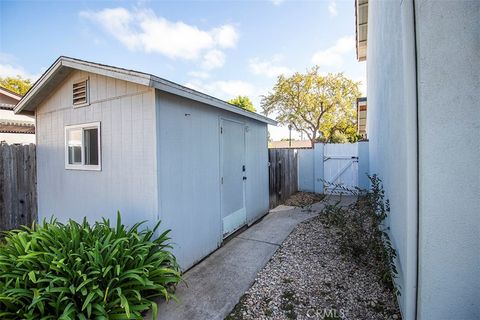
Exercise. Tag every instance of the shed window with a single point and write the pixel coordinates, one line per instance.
(80, 93)
(82, 146)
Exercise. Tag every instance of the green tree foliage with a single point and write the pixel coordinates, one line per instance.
(323, 107)
(243, 102)
(16, 84)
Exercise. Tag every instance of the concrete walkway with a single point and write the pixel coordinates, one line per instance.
(216, 284)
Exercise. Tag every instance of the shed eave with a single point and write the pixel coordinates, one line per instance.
(63, 66)
(179, 90)
(25, 102)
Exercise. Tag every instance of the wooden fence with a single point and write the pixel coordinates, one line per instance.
(18, 196)
(283, 178)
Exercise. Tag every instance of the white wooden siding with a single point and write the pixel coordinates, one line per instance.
(127, 181)
(189, 173)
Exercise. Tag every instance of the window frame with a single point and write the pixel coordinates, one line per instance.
(87, 92)
(83, 166)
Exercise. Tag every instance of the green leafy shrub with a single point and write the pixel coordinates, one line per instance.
(84, 271)
(362, 230)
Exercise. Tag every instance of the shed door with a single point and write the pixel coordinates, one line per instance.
(232, 163)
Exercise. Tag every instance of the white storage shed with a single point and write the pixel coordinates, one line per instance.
(112, 139)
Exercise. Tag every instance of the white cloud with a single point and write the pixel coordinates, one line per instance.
(117, 22)
(333, 56)
(213, 59)
(10, 69)
(226, 36)
(143, 30)
(7, 70)
(199, 74)
(332, 8)
(277, 2)
(269, 68)
(225, 89)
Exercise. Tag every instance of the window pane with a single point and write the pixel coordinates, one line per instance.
(90, 138)
(74, 137)
(74, 155)
(74, 144)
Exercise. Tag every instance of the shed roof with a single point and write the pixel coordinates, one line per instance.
(63, 66)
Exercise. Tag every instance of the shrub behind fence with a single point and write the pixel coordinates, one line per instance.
(18, 196)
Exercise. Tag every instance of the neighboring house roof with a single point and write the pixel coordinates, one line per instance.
(6, 106)
(296, 144)
(16, 126)
(63, 66)
(10, 93)
(12, 125)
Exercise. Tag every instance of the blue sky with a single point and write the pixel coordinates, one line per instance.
(223, 48)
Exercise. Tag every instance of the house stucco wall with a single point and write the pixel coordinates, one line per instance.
(126, 112)
(188, 135)
(363, 165)
(392, 130)
(447, 38)
(306, 172)
(448, 45)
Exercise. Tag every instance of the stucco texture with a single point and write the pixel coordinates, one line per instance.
(448, 44)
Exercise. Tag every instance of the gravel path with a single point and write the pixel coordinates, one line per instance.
(303, 199)
(308, 278)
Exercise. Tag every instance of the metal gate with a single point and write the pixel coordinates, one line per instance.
(340, 167)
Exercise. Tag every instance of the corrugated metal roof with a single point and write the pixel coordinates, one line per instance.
(7, 106)
(16, 126)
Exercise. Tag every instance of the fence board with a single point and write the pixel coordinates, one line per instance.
(283, 180)
(18, 196)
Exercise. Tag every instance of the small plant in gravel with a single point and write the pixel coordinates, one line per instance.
(239, 309)
(268, 312)
(362, 230)
(84, 271)
(288, 304)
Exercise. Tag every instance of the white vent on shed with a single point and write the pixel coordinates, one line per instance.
(80, 93)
